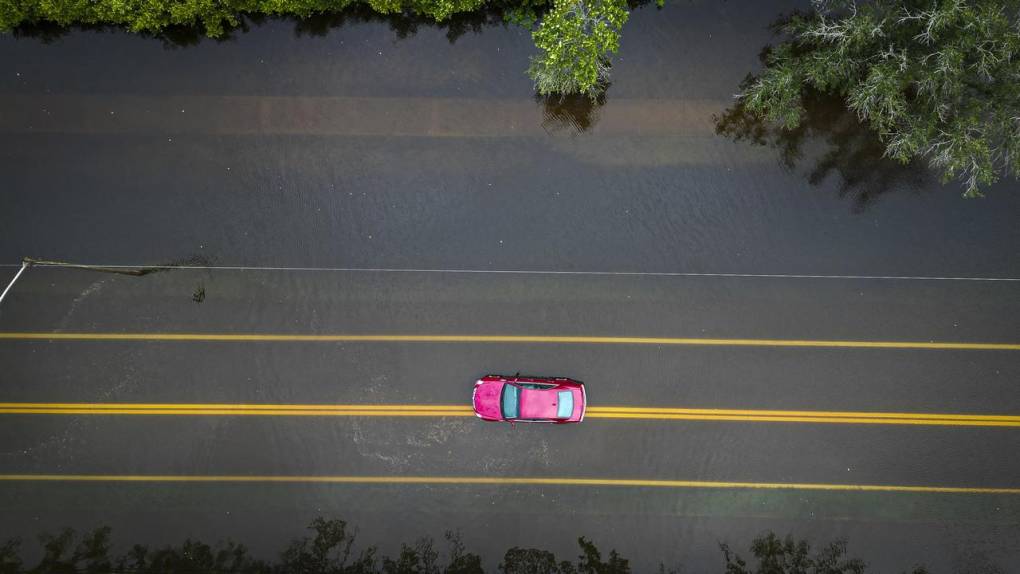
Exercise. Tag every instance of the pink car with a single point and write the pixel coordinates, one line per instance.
(529, 399)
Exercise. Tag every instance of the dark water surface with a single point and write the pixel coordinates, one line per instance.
(361, 145)
(357, 148)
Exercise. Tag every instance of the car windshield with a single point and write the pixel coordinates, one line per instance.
(511, 401)
(565, 404)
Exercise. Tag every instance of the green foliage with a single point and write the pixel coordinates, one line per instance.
(213, 17)
(830, 140)
(461, 562)
(788, 556)
(192, 556)
(328, 552)
(533, 561)
(91, 555)
(10, 561)
(524, 13)
(576, 39)
(55, 550)
(421, 558)
(590, 561)
(93, 552)
(935, 80)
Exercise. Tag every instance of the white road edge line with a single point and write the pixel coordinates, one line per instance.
(539, 272)
(11, 284)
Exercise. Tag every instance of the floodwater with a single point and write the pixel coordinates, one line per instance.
(364, 143)
(356, 147)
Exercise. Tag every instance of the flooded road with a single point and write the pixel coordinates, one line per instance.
(643, 522)
(359, 146)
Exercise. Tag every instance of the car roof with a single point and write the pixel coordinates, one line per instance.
(539, 404)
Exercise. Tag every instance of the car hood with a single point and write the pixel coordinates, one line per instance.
(487, 397)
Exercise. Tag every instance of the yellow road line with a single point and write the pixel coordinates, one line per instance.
(237, 409)
(808, 419)
(503, 481)
(237, 412)
(617, 412)
(244, 406)
(670, 410)
(345, 338)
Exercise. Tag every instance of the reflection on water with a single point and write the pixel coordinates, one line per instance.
(171, 38)
(830, 140)
(403, 25)
(572, 114)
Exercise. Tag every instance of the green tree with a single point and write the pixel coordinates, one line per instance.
(576, 39)
(55, 559)
(10, 560)
(327, 553)
(194, 556)
(421, 558)
(92, 555)
(214, 18)
(590, 561)
(461, 562)
(934, 79)
(533, 561)
(788, 556)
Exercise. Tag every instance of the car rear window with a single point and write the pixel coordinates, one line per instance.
(510, 403)
(565, 404)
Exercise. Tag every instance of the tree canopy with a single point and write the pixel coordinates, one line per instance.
(775, 555)
(934, 79)
(576, 39)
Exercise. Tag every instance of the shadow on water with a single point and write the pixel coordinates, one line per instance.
(830, 141)
(573, 114)
(330, 549)
(403, 25)
(172, 38)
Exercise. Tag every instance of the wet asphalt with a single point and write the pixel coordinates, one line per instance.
(282, 302)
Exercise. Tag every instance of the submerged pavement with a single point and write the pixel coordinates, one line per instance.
(794, 453)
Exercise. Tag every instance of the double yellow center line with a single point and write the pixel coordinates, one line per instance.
(548, 339)
(237, 409)
(411, 410)
(831, 417)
